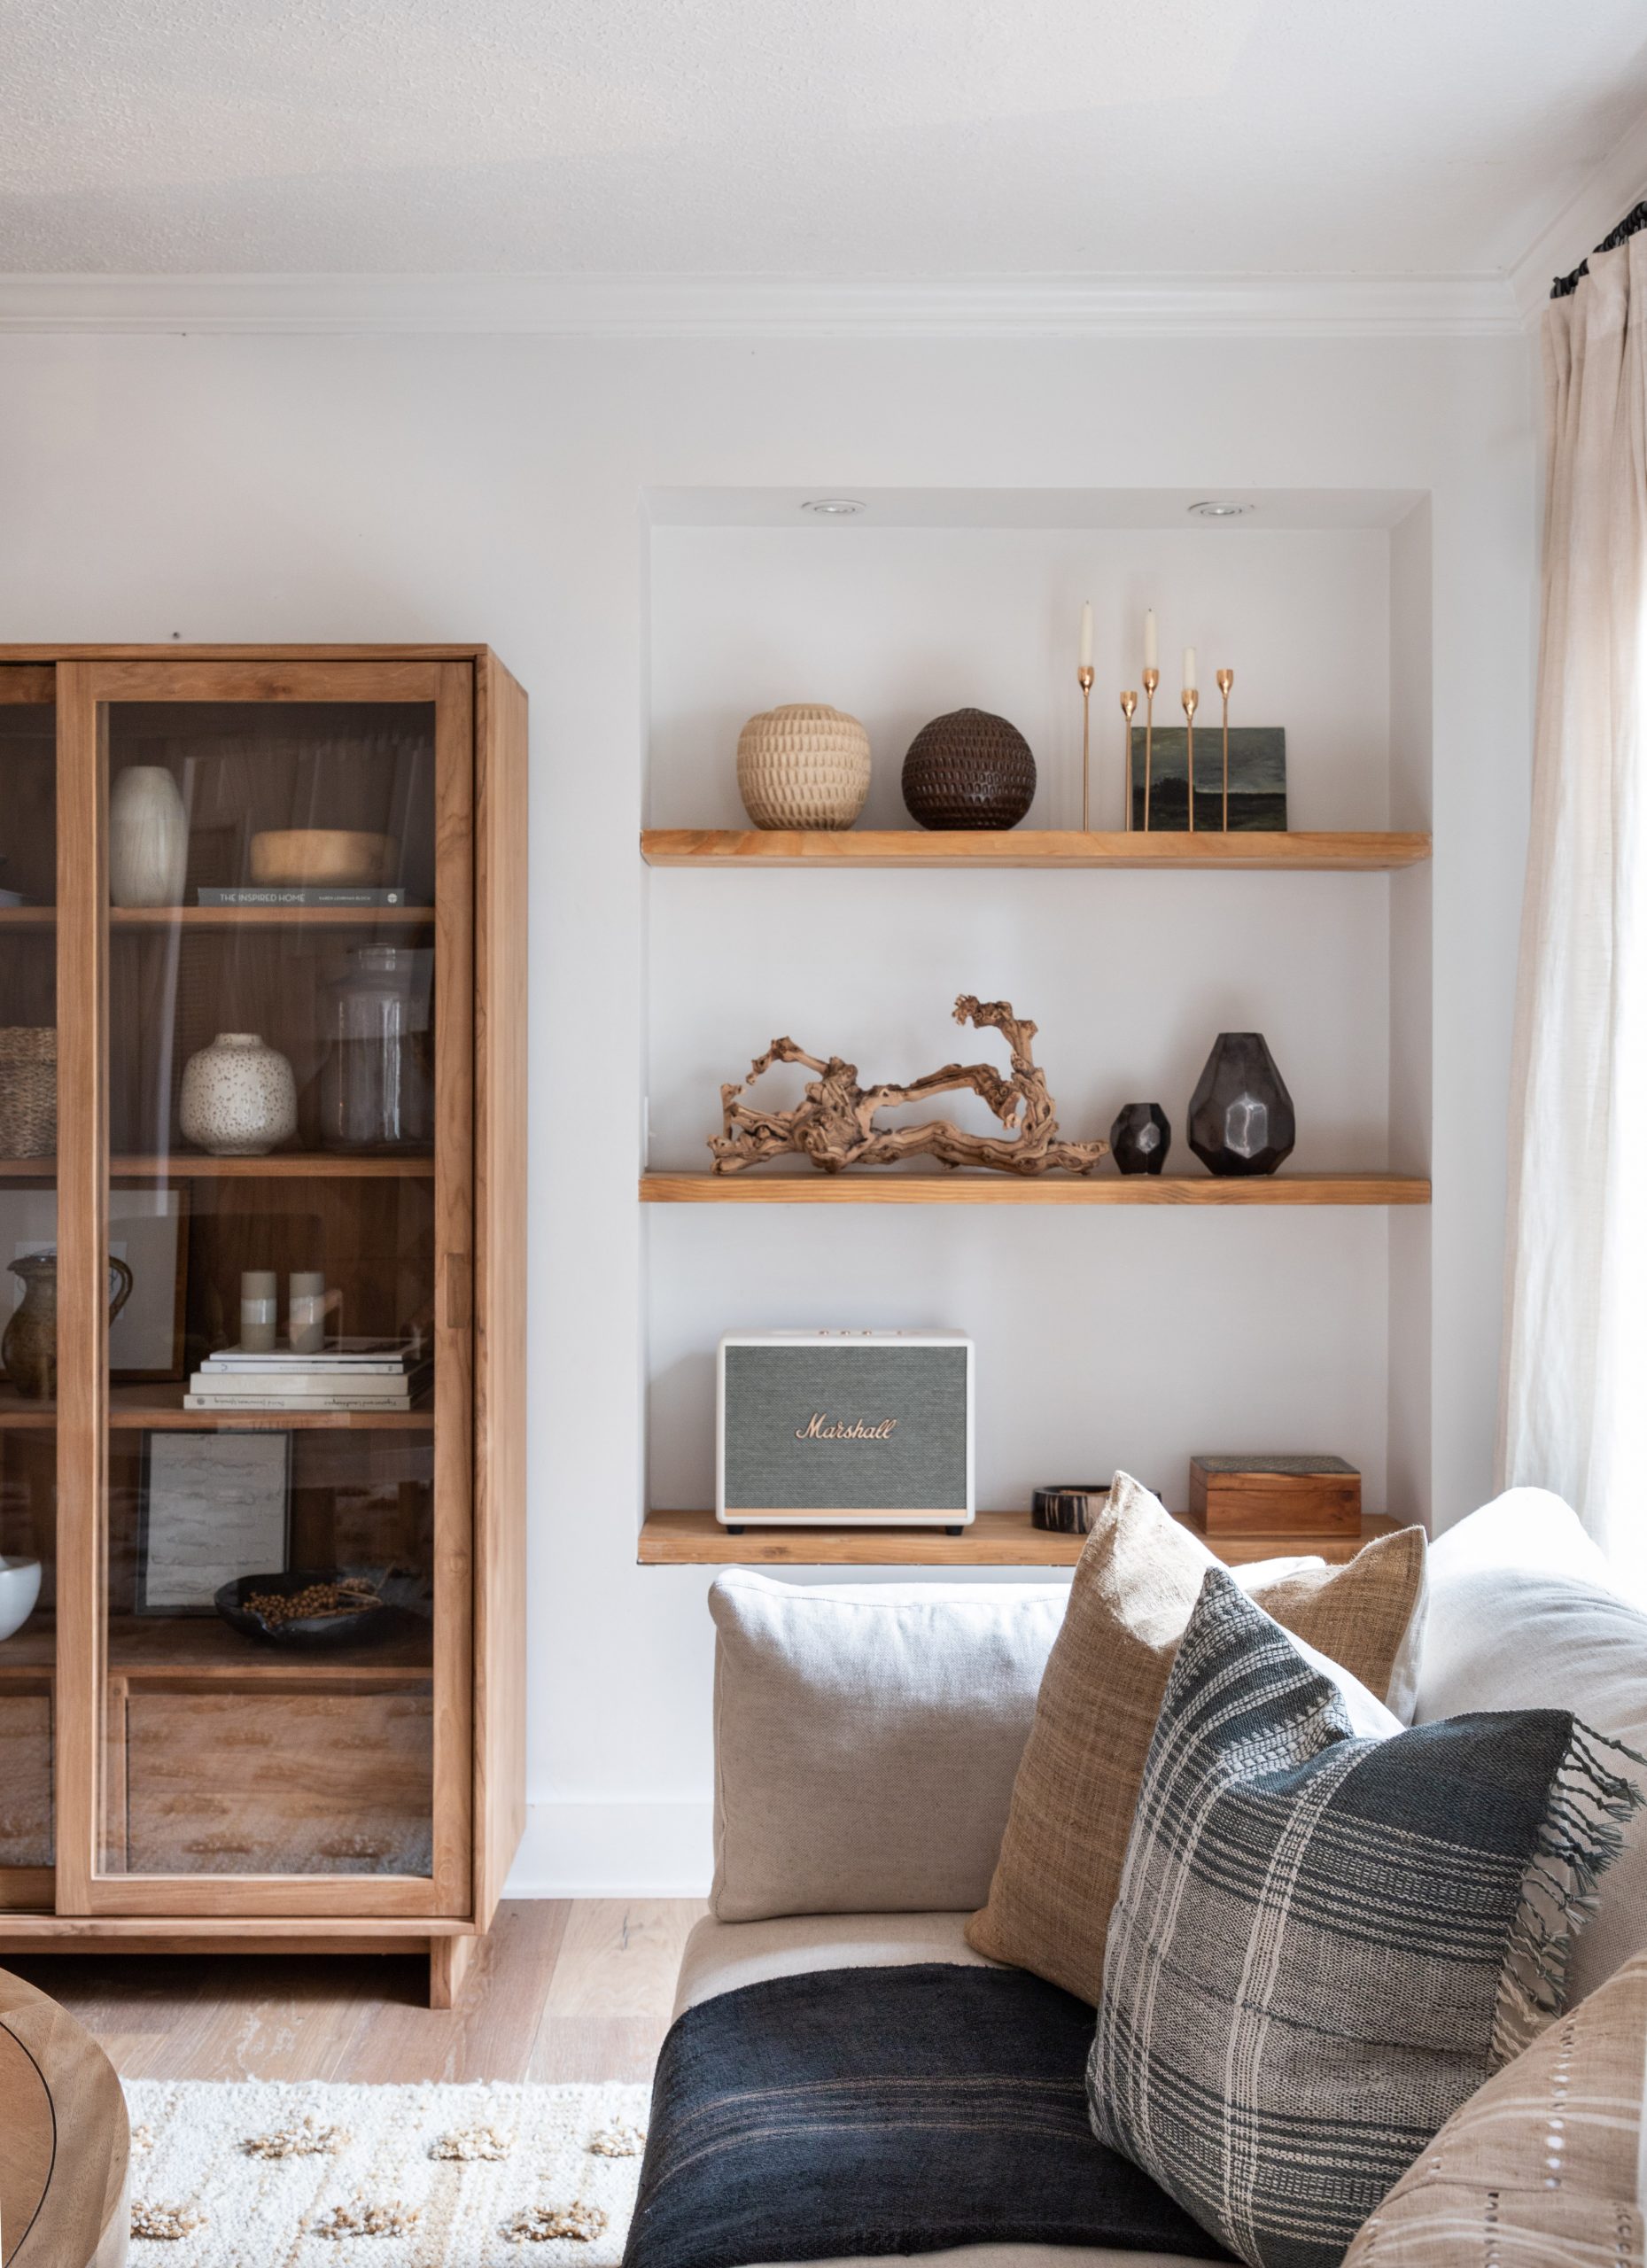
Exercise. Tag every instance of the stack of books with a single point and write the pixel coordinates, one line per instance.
(357, 1374)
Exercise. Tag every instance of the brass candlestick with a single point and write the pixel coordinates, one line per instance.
(1226, 679)
(1152, 678)
(1192, 701)
(1129, 709)
(1083, 679)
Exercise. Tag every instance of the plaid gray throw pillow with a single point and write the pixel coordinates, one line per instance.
(1324, 1945)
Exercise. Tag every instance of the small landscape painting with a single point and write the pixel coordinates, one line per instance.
(1257, 778)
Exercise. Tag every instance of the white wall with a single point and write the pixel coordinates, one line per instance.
(314, 489)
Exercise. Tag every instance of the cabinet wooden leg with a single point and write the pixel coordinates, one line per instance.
(448, 1965)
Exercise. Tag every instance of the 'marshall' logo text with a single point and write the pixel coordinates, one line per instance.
(819, 1428)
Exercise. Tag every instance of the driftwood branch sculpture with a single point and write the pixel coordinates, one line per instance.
(835, 1125)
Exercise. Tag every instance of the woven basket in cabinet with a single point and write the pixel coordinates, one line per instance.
(803, 765)
(28, 1091)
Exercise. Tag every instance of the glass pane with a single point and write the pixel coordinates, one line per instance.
(28, 1283)
(271, 1431)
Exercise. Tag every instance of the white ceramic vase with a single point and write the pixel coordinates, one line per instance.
(148, 838)
(239, 1098)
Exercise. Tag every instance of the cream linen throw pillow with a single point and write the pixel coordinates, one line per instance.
(1072, 1803)
(1544, 2165)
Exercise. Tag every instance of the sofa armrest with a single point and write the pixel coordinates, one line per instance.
(866, 1737)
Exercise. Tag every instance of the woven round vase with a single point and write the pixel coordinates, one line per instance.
(968, 769)
(803, 765)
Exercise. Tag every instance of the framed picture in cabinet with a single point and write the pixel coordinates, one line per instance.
(213, 1506)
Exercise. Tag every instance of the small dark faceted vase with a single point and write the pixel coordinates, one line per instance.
(968, 769)
(1140, 1137)
(1240, 1113)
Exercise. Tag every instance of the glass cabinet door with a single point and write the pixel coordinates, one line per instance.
(29, 1236)
(273, 1268)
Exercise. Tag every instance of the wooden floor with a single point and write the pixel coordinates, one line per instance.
(560, 1990)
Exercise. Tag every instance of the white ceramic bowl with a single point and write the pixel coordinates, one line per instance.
(19, 1587)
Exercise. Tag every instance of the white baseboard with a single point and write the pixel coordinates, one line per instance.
(615, 1850)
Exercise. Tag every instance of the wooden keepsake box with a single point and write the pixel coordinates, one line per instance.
(1274, 1495)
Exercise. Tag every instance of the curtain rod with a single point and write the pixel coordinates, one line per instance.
(1633, 221)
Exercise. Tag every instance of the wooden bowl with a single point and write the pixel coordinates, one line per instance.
(322, 857)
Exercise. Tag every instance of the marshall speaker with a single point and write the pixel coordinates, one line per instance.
(836, 1427)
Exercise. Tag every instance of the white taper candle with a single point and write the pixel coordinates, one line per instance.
(1151, 660)
(1086, 635)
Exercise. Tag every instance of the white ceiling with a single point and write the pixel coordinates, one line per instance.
(796, 136)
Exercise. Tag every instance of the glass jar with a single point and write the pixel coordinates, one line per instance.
(376, 1085)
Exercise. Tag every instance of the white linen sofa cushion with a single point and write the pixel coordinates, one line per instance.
(867, 1737)
(1522, 1617)
(721, 1957)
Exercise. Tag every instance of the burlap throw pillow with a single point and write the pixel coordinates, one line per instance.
(1134, 1590)
(1546, 2162)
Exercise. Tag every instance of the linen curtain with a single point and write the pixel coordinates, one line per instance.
(1575, 1408)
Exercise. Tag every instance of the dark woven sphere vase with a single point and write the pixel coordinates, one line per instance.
(968, 769)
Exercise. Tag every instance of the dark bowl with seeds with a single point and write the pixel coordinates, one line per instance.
(315, 1608)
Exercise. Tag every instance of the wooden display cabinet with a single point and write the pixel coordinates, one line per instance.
(168, 1783)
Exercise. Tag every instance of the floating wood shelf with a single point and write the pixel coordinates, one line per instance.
(884, 1188)
(993, 1540)
(687, 846)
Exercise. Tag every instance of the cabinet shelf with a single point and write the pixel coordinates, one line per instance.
(993, 1540)
(1344, 853)
(272, 917)
(234, 917)
(281, 1165)
(873, 1187)
(200, 1649)
(159, 1408)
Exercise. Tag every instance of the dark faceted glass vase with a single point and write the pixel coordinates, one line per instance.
(1140, 1137)
(1241, 1117)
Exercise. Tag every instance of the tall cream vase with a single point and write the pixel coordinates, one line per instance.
(148, 838)
(803, 765)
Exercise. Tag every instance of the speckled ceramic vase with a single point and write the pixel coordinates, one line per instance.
(148, 838)
(803, 765)
(239, 1099)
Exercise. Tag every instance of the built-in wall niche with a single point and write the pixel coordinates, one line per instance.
(898, 616)
(1138, 1337)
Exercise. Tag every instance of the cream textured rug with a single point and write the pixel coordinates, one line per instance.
(258, 2175)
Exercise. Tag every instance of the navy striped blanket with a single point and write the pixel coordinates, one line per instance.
(878, 2111)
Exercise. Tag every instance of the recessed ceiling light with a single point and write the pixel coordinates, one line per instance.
(1214, 509)
(834, 507)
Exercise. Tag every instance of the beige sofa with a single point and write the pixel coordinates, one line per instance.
(866, 1737)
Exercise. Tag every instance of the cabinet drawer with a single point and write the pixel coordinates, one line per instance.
(252, 1782)
(26, 1779)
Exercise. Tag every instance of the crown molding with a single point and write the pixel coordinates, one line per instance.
(771, 307)
(1593, 212)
